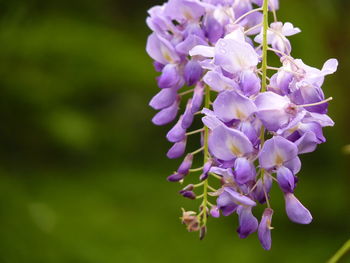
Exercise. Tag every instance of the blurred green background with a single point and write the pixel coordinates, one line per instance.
(82, 173)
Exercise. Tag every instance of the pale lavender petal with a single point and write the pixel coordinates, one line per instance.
(225, 204)
(177, 133)
(230, 105)
(296, 211)
(198, 96)
(188, 116)
(161, 50)
(163, 99)
(166, 115)
(226, 144)
(177, 150)
(276, 152)
(234, 56)
(170, 77)
(239, 198)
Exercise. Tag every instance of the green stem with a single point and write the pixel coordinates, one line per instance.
(340, 253)
(265, 46)
(204, 204)
(264, 75)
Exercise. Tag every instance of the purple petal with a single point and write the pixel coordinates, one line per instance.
(170, 77)
(250, 83)
(227, 144)
(234, 56)
(215, 212)
(225, 204)
(214, 30)
(248, 224)
(163, 99)
(197, 99)
(296, 211)
(186, 165)
(272, 110)
(189, 43)
(229, 105)
(244, 171)
(166, 115)
(192, 73)
(239, 198)
(176, 177)
(285, 179)
(177, 150)
(161, 50)
(177, 133)
(264, 230)
(276, 152)
(188, 116)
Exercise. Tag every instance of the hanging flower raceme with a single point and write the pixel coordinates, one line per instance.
(212, 57)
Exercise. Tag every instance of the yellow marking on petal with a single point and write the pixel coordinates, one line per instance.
(240, 115)
(279, 159)
(166, 54)
(235, 150)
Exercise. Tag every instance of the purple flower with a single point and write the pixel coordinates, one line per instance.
(170, 77)
(177, 150)
(166, 115)
(177, 133)
(244, 170)
(163, 99)
(264, 230)
(230, 105)
(276, 36)
(161, 50)
(296, 211)
(278, 152)
(186, 165)
(229, 200)
(248, 224)
(193, 72)
(274, 111)
(227, 144)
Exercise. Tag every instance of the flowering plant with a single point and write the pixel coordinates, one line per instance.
(255, 124)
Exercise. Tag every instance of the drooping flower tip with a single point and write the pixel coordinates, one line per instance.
(264, 230)
(296, 212)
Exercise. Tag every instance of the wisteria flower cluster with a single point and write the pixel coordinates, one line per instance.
(212, 57)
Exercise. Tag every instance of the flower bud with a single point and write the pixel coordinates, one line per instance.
(177, 133)
(215, 212)
(167, 115)
(163, 99)
(264, 230)
(169, 78)
(188, 116)
(188, 194)
(175, 177)
(286, 179)
(192, 73)
(177, 150)
(244, 170)
(197, 99)
(186, 165)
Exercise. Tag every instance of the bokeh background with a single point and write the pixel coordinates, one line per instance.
(82, 169)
